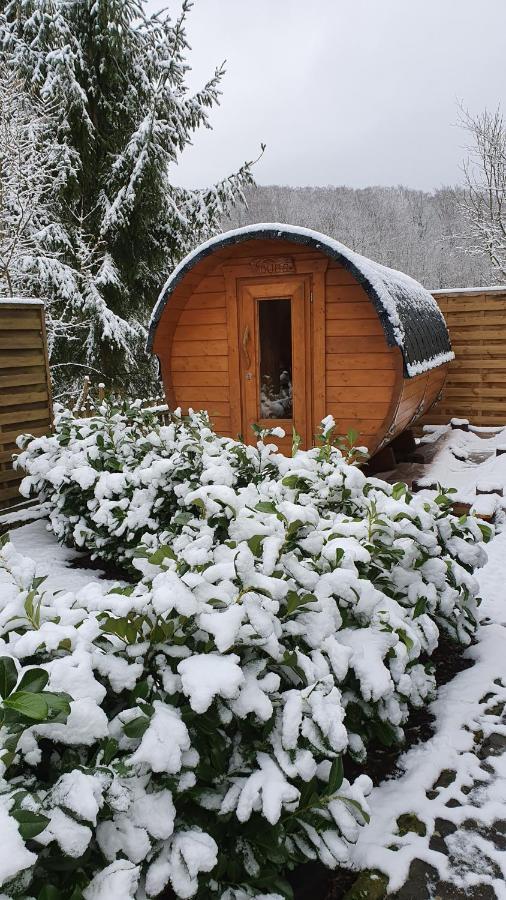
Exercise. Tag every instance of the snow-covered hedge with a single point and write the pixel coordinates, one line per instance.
(193, 729)
(118, 479)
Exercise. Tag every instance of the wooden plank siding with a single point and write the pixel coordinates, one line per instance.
(475, 388)
(25, 393)
(363, 374)
(355, 375)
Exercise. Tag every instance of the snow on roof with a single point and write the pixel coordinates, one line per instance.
(21, 301)
(490, 289)
(408, 313)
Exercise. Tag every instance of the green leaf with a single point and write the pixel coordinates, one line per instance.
(356, 806)
(58, 703)
(123, 591)
(33, 609)
(33, 706)
(137, 727)
(486, 531)
(8, 675)
(141, 690)
(109, 751)
(7, 758)
(296, 440)
(295, 482)
(182, 518)
(49, 892)
(336, 775)
(339, 556)
(255, 544)
(385, 733)
(290, 660)
(34, 680)
(406, 640)
(293, 529)
(115, 626)
(266, 506)
(11, 742)
(76, 894)
(295, 601)
(420, 607)
(398, 490)
(30, 823)
(162, 553)
(40, 579)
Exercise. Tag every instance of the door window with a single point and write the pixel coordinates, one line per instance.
(275, 352)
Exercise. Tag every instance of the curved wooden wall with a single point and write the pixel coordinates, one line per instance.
(363, 375)
(363, 385)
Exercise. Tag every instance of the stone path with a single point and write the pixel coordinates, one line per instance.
(440, 827)
(472, 832)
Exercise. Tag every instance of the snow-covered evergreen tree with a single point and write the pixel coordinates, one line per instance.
(118, 78)
(29, 159)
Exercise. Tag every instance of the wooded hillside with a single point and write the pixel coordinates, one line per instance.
(418, 232)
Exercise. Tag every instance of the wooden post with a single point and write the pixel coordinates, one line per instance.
(81, 400)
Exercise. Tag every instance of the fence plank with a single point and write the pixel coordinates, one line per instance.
(25, 393)
(475, 388)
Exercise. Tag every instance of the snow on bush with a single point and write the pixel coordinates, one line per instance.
(193, 730)
(119, 479)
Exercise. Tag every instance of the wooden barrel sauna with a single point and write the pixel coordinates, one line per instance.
(278, 325)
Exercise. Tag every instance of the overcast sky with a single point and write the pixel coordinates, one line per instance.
(354, 92)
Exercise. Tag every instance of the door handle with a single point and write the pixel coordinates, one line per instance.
(245, 341)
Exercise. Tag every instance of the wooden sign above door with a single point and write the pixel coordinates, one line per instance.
(273, 265)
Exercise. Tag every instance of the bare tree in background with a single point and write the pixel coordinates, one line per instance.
(484, 203)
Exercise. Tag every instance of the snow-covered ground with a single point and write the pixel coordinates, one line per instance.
(473, 462)
(454, 783)
(60, 564)
(453, 786)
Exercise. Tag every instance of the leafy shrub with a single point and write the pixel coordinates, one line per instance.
(116, 479)
(284, 621)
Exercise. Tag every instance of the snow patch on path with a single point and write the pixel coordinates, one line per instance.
(52, 559)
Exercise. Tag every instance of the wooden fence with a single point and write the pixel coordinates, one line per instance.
(25, 392)
(475, 388)
(87, 401)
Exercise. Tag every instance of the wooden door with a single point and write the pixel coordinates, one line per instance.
(274, 346)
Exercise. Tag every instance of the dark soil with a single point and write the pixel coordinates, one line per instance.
(107, 570)
(314, 882)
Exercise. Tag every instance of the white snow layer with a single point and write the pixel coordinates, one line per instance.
(15, 857)
(21, 301)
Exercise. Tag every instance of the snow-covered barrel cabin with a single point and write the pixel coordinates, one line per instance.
(277, 325)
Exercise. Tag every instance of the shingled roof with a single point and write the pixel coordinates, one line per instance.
(410, 316)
